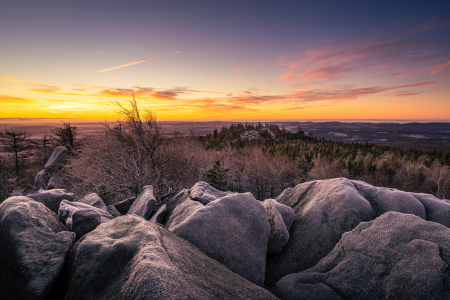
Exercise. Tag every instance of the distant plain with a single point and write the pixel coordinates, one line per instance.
(427, 136)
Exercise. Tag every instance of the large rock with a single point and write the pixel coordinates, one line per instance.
(42, 179)
(52, 198)
(436, 209)
(159, 215)
(84, 221)
(396, 256)
(33, 248)
(67, 209)
(204, 193)
(232, 230)
(131, 258)
(388, 199)
(124, 206)
(58, 155)
(324, 210)
(280, 219)
(94, 200)
(55, 182)
(113, 211)
(143, 205)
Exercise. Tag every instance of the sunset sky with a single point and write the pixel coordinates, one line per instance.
(226, 60)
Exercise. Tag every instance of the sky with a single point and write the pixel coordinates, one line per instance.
(226, 60)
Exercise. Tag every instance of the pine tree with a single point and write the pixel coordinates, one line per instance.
(217, 176)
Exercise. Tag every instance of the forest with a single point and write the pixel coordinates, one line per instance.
(263, 159)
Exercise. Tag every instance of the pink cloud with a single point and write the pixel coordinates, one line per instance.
(441, 67)
(341, 61)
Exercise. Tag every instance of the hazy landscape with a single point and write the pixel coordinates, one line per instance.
(427, 136)
(240, 149)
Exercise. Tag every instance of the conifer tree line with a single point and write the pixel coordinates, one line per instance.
(132, 153)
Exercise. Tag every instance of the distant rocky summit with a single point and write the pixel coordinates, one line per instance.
(325, 239)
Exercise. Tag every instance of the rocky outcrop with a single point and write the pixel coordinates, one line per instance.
(58, 155)
(124, 206)
(388, 199)
(55, 182)
(143, 205)
(159, 215)
(113, 211)
(280, 219)
(33, 247)
(204, 193)
(67, 209)
(232, 230)
(396, 256)
(42, 179)
(84, 221)
(52, 198)
(131, 258)
(324, 210)
(94, 200)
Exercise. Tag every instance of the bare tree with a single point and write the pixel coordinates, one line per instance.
(66, 136)
(16, 143)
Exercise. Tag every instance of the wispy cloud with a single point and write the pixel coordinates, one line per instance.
(134, 62)
(341, 61)
(441, 67)
(16, 80)
(346, 94)
(10, 99)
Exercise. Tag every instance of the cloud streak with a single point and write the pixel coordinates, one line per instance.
(341, 61)
(134, 62)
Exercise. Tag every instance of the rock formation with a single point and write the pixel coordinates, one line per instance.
(44, 179)
(33, 247)
(396, 256)
(143, 205)
(325, 239)
(232, 230)
(52, 198)
(131, 258)
(325, 209)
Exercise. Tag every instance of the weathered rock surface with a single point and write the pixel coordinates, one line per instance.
(436, 210)
(232, 230)
(324, 210)
(42, 179)
(67, 209)
(396, 256)
(33, 248)
(131, 258)
(388, 199)
(143, 205)
(51, 198)
(94, 200)
(124, 206)
(58, 154)
(159, 215)
(280, 219)
(113, 211)
(84, 221)
(55, 182)
(204, 193)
